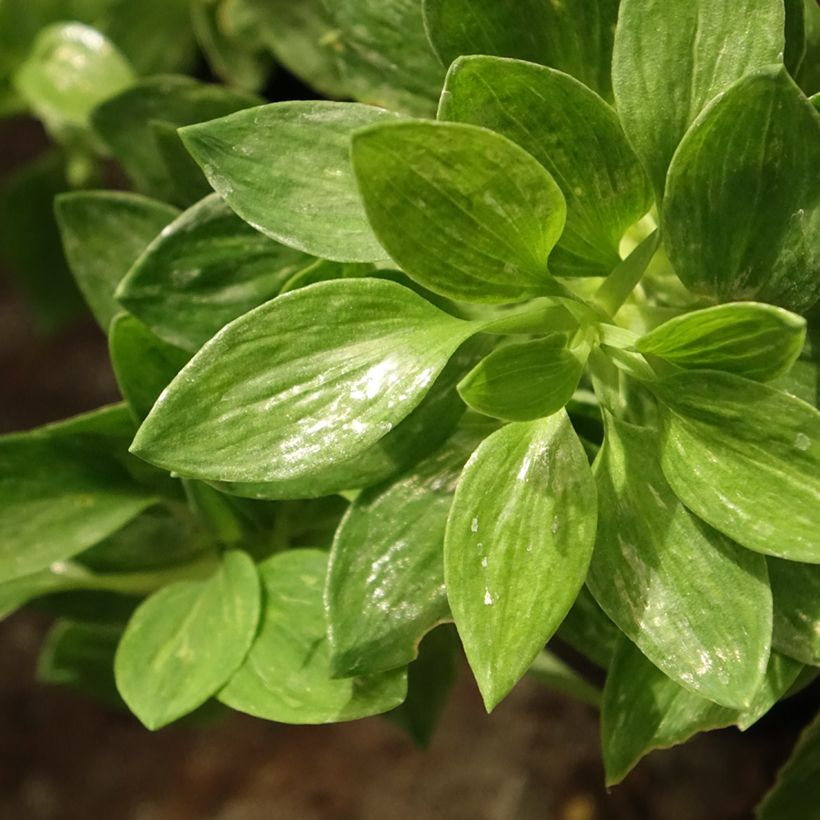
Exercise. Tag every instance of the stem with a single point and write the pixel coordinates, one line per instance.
(622, 281)
(554, 673)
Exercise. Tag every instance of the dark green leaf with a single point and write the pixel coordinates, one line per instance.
(465, 212)
(574, 36)
(286, 676)
(644, 710)
(296, 395)
(285, 169)
(186, 641)
(127, 124)
(385, 584)
(697, 605)
(64, 489)
(746, 459)
(204, 270)
(588, 630)
(103, 233)
(574, 135)
(797, 790)
(550, 671)
(741, 216)
(143, 364)
(796, 593)
(525, 380)
(753, 340)
(517, 548)
(795, 35)
(670, 60)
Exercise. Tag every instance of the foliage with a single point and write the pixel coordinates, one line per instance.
(543, 366)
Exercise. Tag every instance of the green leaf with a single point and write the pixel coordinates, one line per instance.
(430, 679)
(796, 593)
(81, 656)
(525, 380)
(286, 676)
(187, 640)
(517, 548)
(696, 604)
(415, 437)
(385, 583)
(588, 630)
(741, 216)
(644, 710)
(385, 56)
(285, 169)
(797, 790)
(128, 122)
(669, 61)
(795, 30)
(757, 341)
(103, 233)
(463, 211)
(64, 488)
(550, 671)
(298, 395)
(573, 36)
(143, 364)
(207, 268)
(746, 459)
(575, 135)
(71, 69)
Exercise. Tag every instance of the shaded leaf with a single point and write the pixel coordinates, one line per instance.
(796, 593)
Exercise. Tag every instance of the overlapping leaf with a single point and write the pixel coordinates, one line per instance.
(796, 593)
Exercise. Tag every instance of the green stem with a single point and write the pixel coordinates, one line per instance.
(554, 673)
(622, 281)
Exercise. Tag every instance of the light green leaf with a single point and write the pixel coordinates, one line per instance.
(465, 212)
(670, 60)
(103, 233)
(741, 218)
(796, 593)
(644, 710)
(297, 395)
(185, 641)
(696, 604)
(286, 676)
(285, 169)
(415, 437)
(525, 380)
(127, 124)
(385, 583)
(71, 69)
(753, 340)
(573, 36)
(517, 547)
(746, 459)
(384, 54)
(797, 790)
(81, 656)
(204, 270)
(143, 364)
(64, 488)
(574, 135)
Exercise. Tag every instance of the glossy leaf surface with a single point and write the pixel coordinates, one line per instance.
(524, 381)
(746, 459)
(573, 36)
(796, 593)
(463, 211)
(697, 605)
(741, 218)
(575, 135)
(385, 584)
(518, 542)
(757, 341)
(670, 60)
(103, 233)
(286, 676)
(644, 710)
(359, 372)
(185, 641)
(207, 268)
(285, 169)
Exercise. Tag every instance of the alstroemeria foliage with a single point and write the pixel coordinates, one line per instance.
(545, 362)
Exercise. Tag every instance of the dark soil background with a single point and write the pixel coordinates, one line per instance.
(63, 757)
